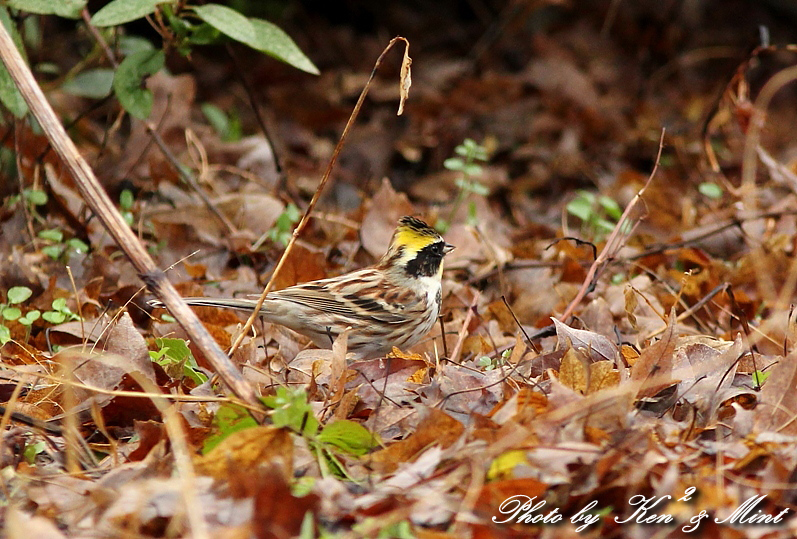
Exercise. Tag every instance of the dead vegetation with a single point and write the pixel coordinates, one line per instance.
(616, 354)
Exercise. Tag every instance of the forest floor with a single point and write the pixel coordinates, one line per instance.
(614, 356)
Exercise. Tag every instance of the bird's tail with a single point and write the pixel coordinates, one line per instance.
(224, 303)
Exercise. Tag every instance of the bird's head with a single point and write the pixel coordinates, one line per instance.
(417, 250)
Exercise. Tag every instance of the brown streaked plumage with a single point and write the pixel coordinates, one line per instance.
(394, 303)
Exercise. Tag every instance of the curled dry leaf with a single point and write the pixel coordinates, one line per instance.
(709, 367)
(406, 78)
(590, 342)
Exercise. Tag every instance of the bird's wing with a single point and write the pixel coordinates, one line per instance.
(357, 297)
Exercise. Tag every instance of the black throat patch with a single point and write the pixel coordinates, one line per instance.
(427, 261)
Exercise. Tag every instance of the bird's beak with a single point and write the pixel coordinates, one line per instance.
(448, 248)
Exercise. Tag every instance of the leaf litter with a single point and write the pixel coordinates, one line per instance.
(658, 383)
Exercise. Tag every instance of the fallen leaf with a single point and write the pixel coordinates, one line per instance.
(438, 428)
(248, 449)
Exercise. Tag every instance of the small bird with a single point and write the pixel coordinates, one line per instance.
(394, 303)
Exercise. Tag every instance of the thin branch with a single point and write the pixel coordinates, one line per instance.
(614, 241)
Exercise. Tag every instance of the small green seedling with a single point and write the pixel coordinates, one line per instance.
(470, 155)
(598, 213)
(177, 360)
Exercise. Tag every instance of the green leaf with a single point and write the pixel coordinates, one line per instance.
(11, 313)
(18, 294)
(5, 335)
(47, 68)
(69, 9)
(581, 207)
(122, 11)
(257, 33)
(30, 317)
(292, 410)
(398, 530)
(710, 190)
(126, 199)
(229, 22)
(479, 189)
(472, 186)
(472, 169)
(216, 117)
(276, 43)
(59, 304)
(454, 163)
(130, 45)
(53, 251)
(307, 531)
(176, 349)
(191, 372)
(349, 436)
(603, 224)
(93, 83)
(31, 450)
(54, 317)
(229, 419)
(52, 234)
(203, 34)
(759, 377)
(9, 94)
(32, 30)
(35, 196)
(77, 245)
(128, 81)
(611, 207)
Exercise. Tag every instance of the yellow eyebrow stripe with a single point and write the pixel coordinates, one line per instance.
(412, 240)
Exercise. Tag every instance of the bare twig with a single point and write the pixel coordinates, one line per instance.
(614, 241)
(463, 331)
(250, 94)
(86, 16)
(766, 283)
(188, 178)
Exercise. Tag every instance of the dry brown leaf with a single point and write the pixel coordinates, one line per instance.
(573, 371)
(438, 428)
(629, 353)
(494, 493)
(654, 367)
(406, 78)
(630, 305)
(249, 449)
(596, 346)
(602, 374)
(419, 376)
(777, 401)
(345, 406)
(522, 407)
(21, 525)
(301, 265)
(278, 514)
